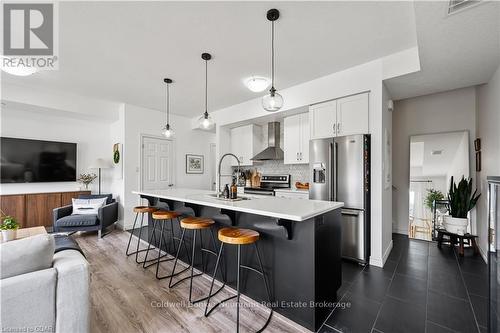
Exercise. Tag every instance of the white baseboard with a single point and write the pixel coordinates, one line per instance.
(380, 262)
(401, 231)
(483, 253)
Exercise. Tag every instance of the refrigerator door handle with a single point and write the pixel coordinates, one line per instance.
(335, 170)
(329, 170)
(350, 212)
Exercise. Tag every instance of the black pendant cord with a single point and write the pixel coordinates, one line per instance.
(168, 105)
(272, 59)
(206, 89)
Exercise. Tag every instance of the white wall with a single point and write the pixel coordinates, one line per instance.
(457, 168)
(437, 113)
(91, 137)
(387, 187)
(139, 120)
(488, 124)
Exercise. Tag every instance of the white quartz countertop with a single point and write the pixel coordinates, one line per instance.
(282, 208)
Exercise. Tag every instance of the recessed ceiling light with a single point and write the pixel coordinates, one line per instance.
(18, 70)
(257, 83)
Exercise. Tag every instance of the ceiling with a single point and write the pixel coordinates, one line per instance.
(121, 51)
(456, 51)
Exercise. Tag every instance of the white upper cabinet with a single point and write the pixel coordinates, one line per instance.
(323, 120)
(246, 142)
(296, 139)
(344, 116)
(352, 115)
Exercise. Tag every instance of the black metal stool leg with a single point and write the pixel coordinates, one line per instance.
(170, 285)
(131, 234)
(139, 239)
(212, 284)
(267, 287)
(238, 294)
(153, 235)
(238, 291)
(192, 265)
(154, 260)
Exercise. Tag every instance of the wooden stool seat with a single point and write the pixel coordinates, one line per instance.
(196, 222)
(165, 214)
(144, 209)
(238, 236)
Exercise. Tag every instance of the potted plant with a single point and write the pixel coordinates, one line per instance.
(460, 201)
(9, 226)
(86, 179)
(433, 195)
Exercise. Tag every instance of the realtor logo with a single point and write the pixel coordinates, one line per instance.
(29, 35)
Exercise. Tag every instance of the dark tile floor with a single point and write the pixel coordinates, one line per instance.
(420, 289)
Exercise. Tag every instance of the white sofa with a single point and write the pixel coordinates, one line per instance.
(41, 291)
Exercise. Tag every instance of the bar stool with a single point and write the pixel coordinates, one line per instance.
(196, 224)
(162, 216)
(239, 236)
(139, 210)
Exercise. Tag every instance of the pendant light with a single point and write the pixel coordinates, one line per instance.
(272, 102)
(167, 131)
(206, 121)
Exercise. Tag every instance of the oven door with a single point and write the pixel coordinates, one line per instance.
(259, 192)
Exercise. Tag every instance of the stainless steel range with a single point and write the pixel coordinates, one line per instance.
(268, 183)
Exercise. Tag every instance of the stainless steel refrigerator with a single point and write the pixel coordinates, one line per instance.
(340, 171)
(494, 253)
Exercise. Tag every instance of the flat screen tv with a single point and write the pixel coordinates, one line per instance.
(36, 161)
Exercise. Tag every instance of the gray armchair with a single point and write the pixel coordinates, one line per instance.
(106, 216)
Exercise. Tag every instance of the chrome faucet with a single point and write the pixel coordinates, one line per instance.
(220, 163)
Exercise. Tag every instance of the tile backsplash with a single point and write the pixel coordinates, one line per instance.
(298, 172)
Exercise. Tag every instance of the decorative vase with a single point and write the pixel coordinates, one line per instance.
(248, 183)
(8, 235)
(455, 225)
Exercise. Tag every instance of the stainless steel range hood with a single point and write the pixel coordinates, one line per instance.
(273, 151)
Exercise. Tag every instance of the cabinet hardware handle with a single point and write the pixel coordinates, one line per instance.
(334, 129)
(338, 128)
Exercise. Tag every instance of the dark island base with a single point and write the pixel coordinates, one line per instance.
(301, 260)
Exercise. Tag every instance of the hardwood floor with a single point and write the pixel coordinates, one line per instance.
(127, 298)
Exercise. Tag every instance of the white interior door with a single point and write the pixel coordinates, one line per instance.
(157, 163)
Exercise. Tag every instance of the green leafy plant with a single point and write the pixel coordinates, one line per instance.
(8, 222)
(433, 195)
(461, 199)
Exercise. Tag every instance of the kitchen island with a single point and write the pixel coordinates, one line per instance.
(299, 243)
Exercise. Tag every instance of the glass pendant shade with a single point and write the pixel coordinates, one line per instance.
(272, 102)
(206, 121)
(167, 131)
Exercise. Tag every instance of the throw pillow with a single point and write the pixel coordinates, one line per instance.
(87, 206)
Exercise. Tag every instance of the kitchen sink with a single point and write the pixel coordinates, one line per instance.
(213, 195)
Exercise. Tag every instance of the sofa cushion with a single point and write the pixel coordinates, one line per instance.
(77, 221)
(109, 197)
(26, 255)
